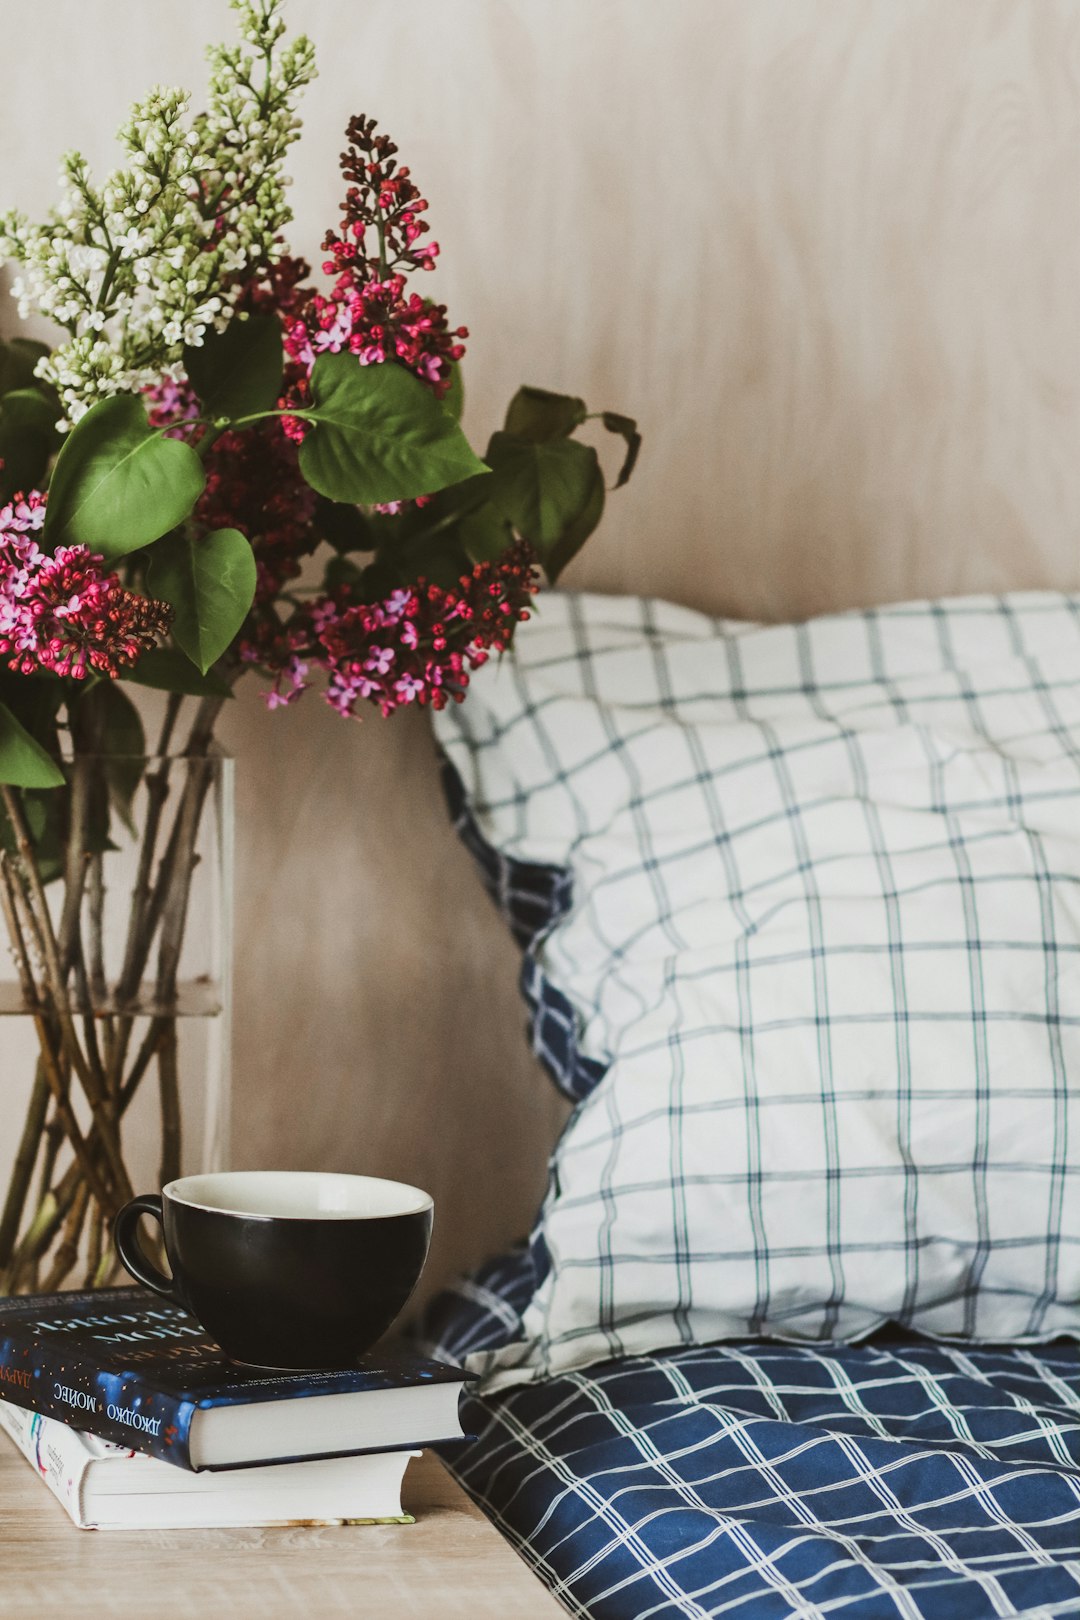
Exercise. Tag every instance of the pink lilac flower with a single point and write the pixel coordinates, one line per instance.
(392, 508)
(169, 404)
(291, 684)
(379, 659)
(414, 647)
(64, 613)
(407, 688)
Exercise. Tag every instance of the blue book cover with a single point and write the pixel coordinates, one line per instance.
(128, 1366)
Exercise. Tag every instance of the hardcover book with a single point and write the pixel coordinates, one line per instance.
(109, 1487)
(132, 1368)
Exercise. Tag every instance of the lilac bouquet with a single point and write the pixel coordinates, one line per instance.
(222, 464)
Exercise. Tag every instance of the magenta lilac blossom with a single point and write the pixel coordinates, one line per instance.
(415, 646)
(64, 613)
(367, 311)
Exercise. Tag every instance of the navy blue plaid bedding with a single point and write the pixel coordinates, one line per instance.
(892, 1480)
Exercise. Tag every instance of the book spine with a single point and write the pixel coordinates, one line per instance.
(54, 1452)
(59, 1383)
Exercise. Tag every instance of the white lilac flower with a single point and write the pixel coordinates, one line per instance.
(157, 256)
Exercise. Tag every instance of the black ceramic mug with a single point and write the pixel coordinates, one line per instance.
(288, 1269)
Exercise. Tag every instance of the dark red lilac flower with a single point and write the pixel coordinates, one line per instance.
(368, 312)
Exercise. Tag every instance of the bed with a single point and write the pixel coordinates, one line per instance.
(891, 1480)
(794, 1333)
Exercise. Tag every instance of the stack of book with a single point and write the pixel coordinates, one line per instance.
(134, 1419)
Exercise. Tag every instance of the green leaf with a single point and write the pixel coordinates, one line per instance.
(237, 371)
(23, 762)
(627, 429)
(167, 669)
(441, 559)
(536, 415)
(577, 531)
(541, 488)
(210, 584)
(118, 484)
(29, 408)
(17, 361)
(485, 534)
(110, 717)
(377, 434)
(46, 818)
(32, 349)
(454, 398)
(442, 510)
(28, 438)
(125, 742)
(553, 494)
(35, 701)
(343, 527)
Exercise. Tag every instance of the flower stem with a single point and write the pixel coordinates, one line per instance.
(157, 791)
(48, 1055)
(67, 1254)
(107, 279)
(62, 974)
(59, 997)
(98, 987)
(169, 1093)
(39, 1235)
(23, 1168)
(75, 865)
(155, 1036)
(96, 1244)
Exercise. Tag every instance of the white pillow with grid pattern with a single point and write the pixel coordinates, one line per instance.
(825, 932)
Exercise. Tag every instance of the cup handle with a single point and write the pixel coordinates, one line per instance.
(128, 1247)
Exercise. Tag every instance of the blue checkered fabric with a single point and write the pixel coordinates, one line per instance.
(533, 898)
(894, 1480)
(800, 908)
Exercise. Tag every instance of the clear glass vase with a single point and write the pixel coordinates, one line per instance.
(114, 1002)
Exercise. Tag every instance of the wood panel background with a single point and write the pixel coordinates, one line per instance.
(828, 252)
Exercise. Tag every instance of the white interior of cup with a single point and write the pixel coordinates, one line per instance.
(312, 1195)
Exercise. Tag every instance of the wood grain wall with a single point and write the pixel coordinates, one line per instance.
(828, 251)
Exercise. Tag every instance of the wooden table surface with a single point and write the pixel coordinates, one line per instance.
(451, 1562)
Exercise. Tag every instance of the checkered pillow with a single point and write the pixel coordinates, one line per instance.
(815, 975)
